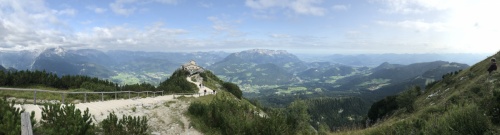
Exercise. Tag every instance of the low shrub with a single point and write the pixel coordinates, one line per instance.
(463, 120)
(65, 119)
(10, 118)
(127, 125)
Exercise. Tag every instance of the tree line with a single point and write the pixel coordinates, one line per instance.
(27, 78)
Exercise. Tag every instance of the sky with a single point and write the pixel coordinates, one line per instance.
(298, 26)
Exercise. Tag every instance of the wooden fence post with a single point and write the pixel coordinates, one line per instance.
(115, 96)
(62, 96)
(34, 98)
(129, 95)
(85, 100)
(26, 128)
(102, 96)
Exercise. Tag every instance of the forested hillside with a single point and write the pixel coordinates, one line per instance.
(464, 102)
(41, 79)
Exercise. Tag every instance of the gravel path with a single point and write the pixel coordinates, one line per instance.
(165, 113)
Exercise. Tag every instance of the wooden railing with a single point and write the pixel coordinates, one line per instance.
(26, 128)
(63, 93)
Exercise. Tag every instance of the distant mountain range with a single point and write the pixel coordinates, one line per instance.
(255, 67)
(259, 67)
(372, 60)
(118, 66)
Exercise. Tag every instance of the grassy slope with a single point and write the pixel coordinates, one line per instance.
(461, 99)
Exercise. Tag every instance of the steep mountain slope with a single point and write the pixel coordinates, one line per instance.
(21, 60)
(259, 67)
(241, 61)
(386, 79)
(402, 73)
(62, 62)
(264, 74)
(465, 102)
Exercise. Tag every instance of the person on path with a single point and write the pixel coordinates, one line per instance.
(493, 66)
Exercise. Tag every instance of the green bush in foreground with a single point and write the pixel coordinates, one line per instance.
(65, 120)
(227, 115)
(466, 120)
(462, 120)
(127, 125)
(10, 118)
(233, 89)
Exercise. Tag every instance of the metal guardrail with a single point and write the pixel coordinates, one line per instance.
(35, 91)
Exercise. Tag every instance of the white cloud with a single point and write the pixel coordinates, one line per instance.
(417, 25)
(305, 7)
(205, 5)
(225, 26)
(218, 24)
(416, 6)
(122, 37)
(341, 7)
(118, 7)
(29, 25)
(280, 35)
(128, 7)
(97, 10)
(166, 1)
(68, 11)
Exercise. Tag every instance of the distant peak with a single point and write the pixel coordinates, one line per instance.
(56, 50)
(59, 51)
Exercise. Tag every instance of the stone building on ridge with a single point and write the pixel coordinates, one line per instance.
(192, 67)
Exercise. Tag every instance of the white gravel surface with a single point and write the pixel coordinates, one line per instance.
(165, 114)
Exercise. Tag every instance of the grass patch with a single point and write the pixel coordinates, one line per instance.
(168, 103)
(134, 109)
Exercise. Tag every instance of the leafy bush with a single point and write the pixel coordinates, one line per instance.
(65, 119)
(127, 125)
(382, 108)
(494, 108)
(197, 109)
(298, 118)
(225, 115)
(336, 112)
(463, 120)
(177, 83)
(233, 89)
(407, 98)
(10, 118)
(388, 105)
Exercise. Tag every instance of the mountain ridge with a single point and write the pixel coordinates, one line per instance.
(464, 102)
